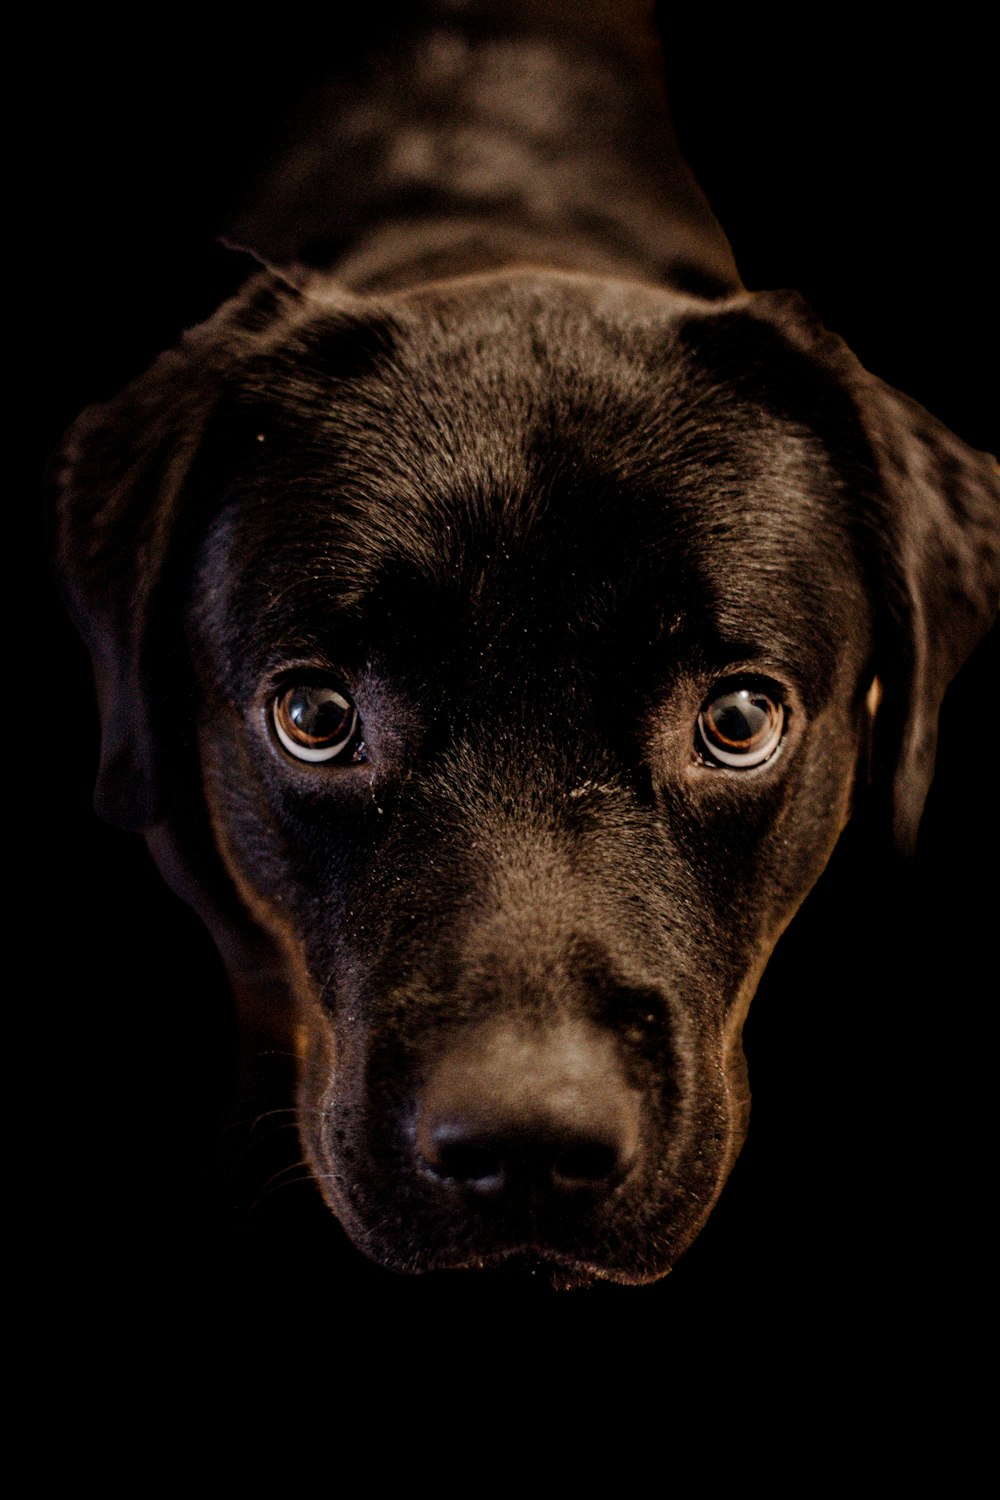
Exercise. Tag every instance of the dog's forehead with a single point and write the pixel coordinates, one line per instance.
(549, 444)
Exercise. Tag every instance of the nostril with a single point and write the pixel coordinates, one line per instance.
(517, 1161)
(589, 1162)
(474, 1164)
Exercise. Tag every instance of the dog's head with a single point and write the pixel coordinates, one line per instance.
(512, 647)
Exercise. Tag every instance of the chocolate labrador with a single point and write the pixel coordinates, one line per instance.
(497, 614)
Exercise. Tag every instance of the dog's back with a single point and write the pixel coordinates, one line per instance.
(462, 138)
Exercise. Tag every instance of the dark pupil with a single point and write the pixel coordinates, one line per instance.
(738, 719)
(319, 713)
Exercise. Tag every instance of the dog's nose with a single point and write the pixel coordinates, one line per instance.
(544, 1113)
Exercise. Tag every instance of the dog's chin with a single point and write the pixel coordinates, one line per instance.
(562, 1273)
(538, 1266)
(522, 1266)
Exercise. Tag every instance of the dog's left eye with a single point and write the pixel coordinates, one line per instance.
(740, 727)
(314, 721)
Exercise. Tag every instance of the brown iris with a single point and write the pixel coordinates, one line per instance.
(740, 727)
(314, 721)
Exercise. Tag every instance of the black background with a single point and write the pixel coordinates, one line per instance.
(853, 166)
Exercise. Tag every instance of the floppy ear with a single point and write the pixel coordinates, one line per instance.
(120, 488)
(941, 547)
(930, 522)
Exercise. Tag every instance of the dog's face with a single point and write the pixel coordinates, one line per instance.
(519, 641)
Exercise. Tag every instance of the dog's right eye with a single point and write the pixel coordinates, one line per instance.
(315, 721)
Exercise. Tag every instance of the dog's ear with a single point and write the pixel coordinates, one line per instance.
(939, 539)
(119, 485)
(930, 523)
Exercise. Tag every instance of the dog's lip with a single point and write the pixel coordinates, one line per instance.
(562, 1272)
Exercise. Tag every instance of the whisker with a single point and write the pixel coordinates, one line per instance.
(282, 1179)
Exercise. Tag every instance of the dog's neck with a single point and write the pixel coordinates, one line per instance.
(497, 136)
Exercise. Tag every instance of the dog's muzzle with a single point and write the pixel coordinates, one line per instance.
(549, 1141)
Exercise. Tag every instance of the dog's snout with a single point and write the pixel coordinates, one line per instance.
(539, 1114)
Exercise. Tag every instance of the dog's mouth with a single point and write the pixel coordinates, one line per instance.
(537, 1265)
(564, 1274)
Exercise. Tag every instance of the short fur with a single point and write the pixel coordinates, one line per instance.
(505, 449)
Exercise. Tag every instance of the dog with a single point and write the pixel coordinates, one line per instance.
(498, 614)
